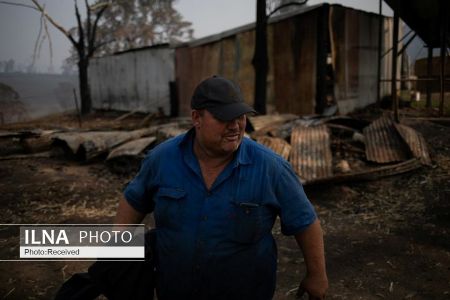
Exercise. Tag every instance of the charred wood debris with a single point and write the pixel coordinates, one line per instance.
(320, 149)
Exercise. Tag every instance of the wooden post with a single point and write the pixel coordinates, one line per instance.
(394, 66)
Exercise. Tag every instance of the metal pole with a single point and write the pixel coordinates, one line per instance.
(394, 67)
(76, 105)
(380, 36)
(429, 74)
(443, 47)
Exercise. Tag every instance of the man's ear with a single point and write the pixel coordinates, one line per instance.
(195, 115)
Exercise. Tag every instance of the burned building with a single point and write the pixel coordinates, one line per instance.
(321, 58)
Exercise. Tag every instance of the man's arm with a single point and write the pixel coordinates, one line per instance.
(311, 242)
(126, 214)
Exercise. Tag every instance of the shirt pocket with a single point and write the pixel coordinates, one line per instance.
(169, 207)
(247, 224)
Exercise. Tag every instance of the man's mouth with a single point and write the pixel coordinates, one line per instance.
(232, 137)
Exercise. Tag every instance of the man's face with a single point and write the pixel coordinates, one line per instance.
(220, 138)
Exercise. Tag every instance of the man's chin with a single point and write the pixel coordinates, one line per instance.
(231, 146)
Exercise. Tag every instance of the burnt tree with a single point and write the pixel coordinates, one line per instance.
(84, 41)
(260, 59)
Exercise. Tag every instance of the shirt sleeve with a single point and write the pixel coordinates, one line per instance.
(296, 211)
(138, 192)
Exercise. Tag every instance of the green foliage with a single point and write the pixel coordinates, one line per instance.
(128, 24)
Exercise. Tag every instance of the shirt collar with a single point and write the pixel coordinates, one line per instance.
(243, 153)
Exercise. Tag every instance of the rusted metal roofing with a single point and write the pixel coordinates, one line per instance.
(278, 145)
(294, 52)
(88, 145)
(260, 122)
(250, 26)
(372, 173)
(133, 148)
(416, 143)
(383, 143)
(311, 153)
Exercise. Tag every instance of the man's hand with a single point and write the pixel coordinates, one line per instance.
(315, 286)
(311, 242)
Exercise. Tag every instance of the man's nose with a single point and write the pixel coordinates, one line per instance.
(233, 124)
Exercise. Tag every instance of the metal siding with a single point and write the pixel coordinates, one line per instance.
(383, 143)
(193, 65)
(246, 74)
(345, 36)
(183, 65)
(354, 40)
(227, 58)
(263, 121)
(416, 143)
(291, 77)
(292, 48)
(230, 57)
(136, 80)
(277, 145)
(294, 64)
(311, 154)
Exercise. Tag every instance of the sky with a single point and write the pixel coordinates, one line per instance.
(19, 26)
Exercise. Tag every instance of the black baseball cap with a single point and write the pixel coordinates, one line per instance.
(221, 97)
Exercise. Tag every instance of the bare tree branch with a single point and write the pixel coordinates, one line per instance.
(80, 45)
(53, 22)
(50, 44)
(36, 44)
(19, 4)
(88, 21)
(93, 47)
(96, 47)
(40, 45)
(99, 5)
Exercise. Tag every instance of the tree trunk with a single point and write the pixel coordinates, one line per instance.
(85, 94)
(260, 60)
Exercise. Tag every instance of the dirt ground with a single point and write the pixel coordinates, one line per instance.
(385, 239)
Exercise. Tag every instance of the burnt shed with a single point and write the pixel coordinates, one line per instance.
(321, 58)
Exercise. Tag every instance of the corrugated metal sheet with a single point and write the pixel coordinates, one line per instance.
(137, 80)
(88, 145)
(278, 145)
(354, 49)
(290, 80)
(259, 122)
(372, 173)
(292, 47)
(383, 143)
(230, 57)
(416, 143)
(294, 63)
(132, 148)
(311, 153)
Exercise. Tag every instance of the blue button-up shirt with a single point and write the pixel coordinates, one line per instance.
(218, 243)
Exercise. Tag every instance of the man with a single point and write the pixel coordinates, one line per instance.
(215, 196)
